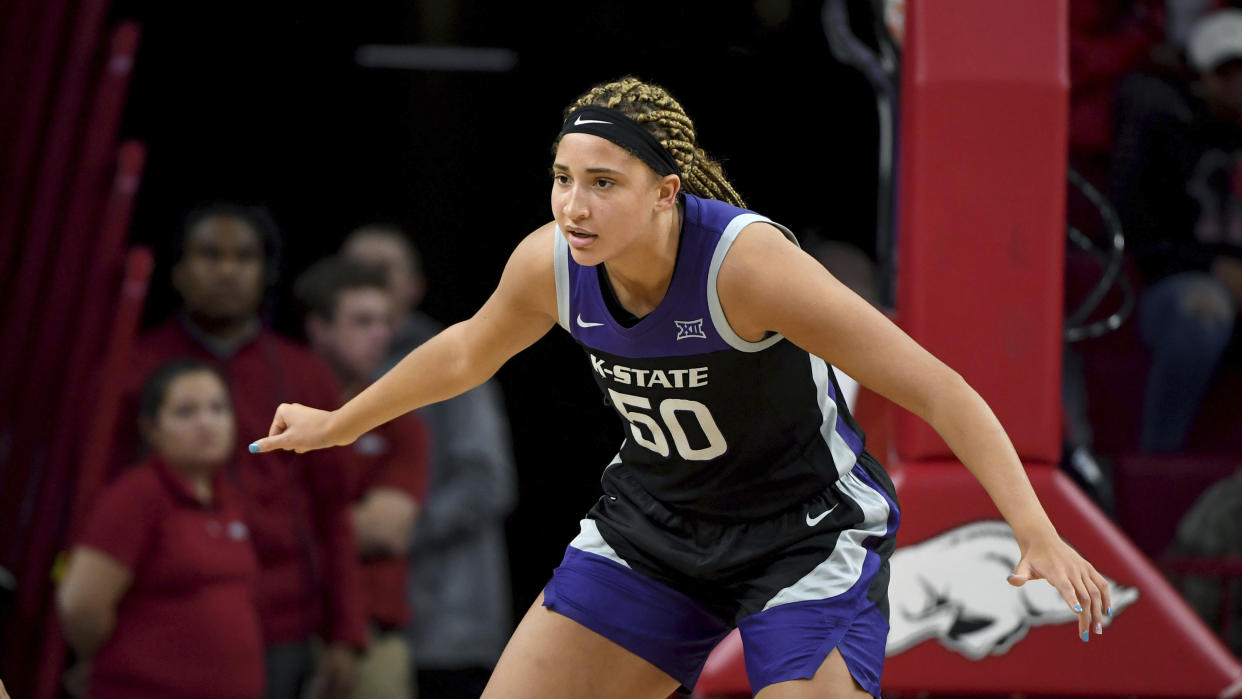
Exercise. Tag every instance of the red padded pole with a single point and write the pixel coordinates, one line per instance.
(981, 222)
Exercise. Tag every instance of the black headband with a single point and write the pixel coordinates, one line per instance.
(625, 132)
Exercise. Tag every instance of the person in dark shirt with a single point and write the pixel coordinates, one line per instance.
(297, 506)
(159, 596)
(349, 317)
(1177, 183)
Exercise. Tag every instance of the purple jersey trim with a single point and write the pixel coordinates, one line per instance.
(894, 513)
(660, 625)
(683, 324)
(850, 437)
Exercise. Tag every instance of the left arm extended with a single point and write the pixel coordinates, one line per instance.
(768, 284)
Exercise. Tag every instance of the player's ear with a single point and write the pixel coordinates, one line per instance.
(666, 191)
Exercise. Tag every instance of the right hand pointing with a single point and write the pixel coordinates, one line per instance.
(298, 428)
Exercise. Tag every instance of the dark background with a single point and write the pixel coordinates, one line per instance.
(263, 103)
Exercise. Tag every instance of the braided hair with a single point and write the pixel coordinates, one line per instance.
(652, 107)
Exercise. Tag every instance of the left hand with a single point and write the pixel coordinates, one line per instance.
(1082, 587)
(335, 676)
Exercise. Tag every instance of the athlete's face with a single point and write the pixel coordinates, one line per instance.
(603, 198)
(193, 430)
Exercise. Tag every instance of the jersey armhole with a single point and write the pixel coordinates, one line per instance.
(560, 263)
(719, 320)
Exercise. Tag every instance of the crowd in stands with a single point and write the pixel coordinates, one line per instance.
(207, 571)
(1156, 123)
(380, 570)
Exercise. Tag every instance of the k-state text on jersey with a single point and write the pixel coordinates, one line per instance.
(651, 378)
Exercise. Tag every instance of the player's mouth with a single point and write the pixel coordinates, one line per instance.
(579, 238)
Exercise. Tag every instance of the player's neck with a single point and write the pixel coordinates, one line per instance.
(640, 276)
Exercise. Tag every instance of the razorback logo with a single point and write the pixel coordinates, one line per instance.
(953, 587)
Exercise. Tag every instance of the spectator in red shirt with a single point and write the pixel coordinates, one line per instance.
(159, 595)
(349, 321)
(297, 506)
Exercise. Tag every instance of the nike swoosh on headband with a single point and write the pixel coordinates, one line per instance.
(580, 121)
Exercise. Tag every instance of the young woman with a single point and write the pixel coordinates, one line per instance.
(159, 596)
(742, 495)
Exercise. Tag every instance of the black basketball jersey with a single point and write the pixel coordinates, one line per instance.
(715, 426)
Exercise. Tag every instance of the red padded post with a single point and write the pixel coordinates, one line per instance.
(981, 208)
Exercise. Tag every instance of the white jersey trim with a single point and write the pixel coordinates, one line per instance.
(730, 234)
(838, 573)
(560, 263)
(842, 455)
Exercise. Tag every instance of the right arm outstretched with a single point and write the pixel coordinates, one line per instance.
(520, 311)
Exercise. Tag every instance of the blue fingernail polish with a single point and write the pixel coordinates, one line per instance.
(254, 448)
(1085, 636)
(1109, 611)
(1077, 607)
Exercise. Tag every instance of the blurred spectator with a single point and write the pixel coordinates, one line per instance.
(1213, 527)
(1108, 39)
(349, 319)
(459, 566)
(159, 595)
(297, 506)
(1178, 188)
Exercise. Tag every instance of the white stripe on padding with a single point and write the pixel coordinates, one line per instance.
(844, 565)
(560, 262)
(842, 455)
(589, 540)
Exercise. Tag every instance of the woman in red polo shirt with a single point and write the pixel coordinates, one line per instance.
(159, 592)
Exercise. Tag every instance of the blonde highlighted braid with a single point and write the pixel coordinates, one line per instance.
(652, 106)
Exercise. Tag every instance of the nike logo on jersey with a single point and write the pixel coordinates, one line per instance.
(812, 521)
(650, 378)
(580, 121)
(583, 324)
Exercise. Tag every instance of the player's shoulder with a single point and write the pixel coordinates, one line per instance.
(533, 255)
(538, 243)
(529, 277)
(760, 247)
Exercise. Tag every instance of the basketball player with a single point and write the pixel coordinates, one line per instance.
(742, 495)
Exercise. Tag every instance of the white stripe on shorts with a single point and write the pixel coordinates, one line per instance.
(589, 540)
(844, 565)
